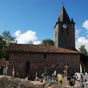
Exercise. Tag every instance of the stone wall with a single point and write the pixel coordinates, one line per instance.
(41, 61)
(9, 82)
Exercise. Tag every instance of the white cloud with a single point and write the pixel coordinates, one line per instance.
(36, 42)
(77, 33)
(85, 24)
(26, 37)
(82, 41)
(17, 33)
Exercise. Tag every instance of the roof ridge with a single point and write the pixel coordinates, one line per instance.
(38, 48)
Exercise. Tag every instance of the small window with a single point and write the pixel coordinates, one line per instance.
(44, 56)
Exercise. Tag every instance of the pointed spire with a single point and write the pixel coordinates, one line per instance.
(64, 16)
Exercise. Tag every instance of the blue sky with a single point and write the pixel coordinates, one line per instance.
(34, 20)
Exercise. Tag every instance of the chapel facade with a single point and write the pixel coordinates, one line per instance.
(27, 60)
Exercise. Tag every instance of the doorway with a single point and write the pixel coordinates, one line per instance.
(27, 68)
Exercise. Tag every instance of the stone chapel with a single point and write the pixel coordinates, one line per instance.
(27, 60)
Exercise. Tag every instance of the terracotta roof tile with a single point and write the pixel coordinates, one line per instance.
(39, 48)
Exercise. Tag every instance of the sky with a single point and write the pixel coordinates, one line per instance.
(34, 20)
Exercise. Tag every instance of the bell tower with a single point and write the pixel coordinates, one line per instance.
(64, 31)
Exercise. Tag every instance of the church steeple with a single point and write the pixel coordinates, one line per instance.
(63, 16)
(64, 31)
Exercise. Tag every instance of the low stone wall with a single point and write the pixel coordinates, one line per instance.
(9, 82)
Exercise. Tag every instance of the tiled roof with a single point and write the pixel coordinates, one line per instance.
(39, 48)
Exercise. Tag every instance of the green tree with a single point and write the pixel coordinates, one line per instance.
(2, 48)
(47, 42)
(83, 49)
(5, 40)
(7, 37)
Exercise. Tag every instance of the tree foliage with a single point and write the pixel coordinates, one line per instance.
(7, 36)
(5, 40)
(47, 42)
(83, 49)
(2, 48)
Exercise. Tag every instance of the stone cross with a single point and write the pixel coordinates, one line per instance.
(66, 71)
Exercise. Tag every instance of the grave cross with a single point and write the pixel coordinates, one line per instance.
(66, 71)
